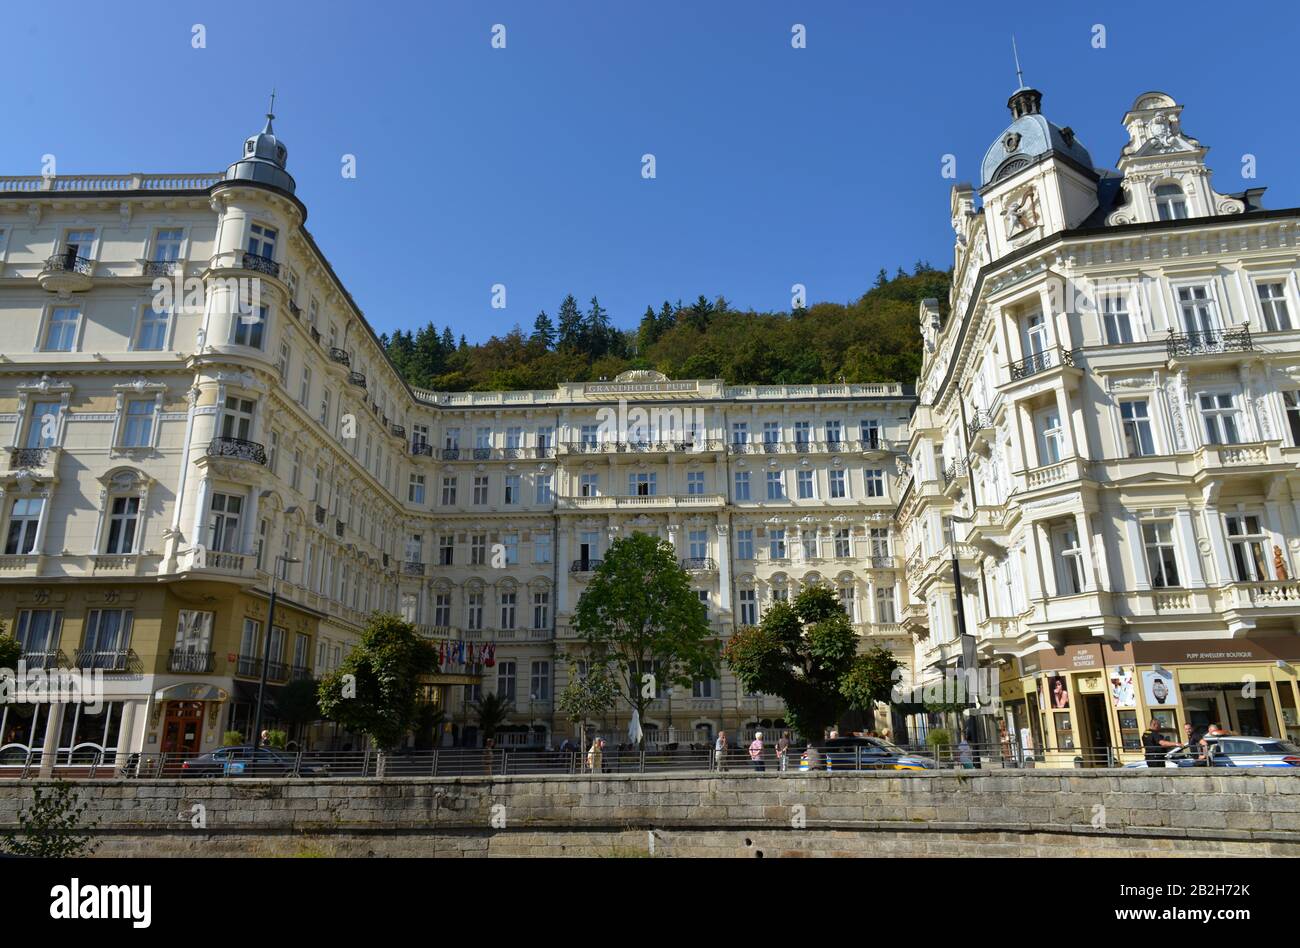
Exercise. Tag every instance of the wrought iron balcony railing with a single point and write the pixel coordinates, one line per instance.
(114, 660)
(340, 356)
(978, 421)
(693, 563)
(1181, 344)
(237, 448)
(422, 449)
(259, 264)
(398, 431)
(1040, 362)
(69, 262)
(413, 568)
(953, 471)
(29, 457)
(357, 378)
(191, 661)
(250, 666)
(159, 268)
(53, 658)
(585, 566)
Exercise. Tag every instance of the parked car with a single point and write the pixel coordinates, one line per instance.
(1230, 750)
(861, 753)
(239, 761)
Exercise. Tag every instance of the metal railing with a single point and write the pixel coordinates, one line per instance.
(250, 666)
(1040, 362)
(699, 563)
(159, 268)
(1208, 343)
(238, 448)
(978, 421)
(422, 449)
(69, 262)
(357, 378)
(697, 758)
(29, 457)
(190, 661)
(260, 264)
(584, 566)
(340, 356)
(112, 660)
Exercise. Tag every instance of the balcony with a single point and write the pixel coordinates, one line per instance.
(340, 356)
(191, 662)
(357, 378)
(397, 431)
(44, 660)
(160, 268)
(31, 459)
(956, 471)
(237, 448)
(979, 422)
(585, 566)
(1182, 345)
(1039, 362)
(259, 264)
(420, 449)
(412, 568)
(640, 502)
(66, 272)
(110, 660)
(699, 564)
(250, 666)
(300, 673)
(1272, 594)
(682, 445)
(843, 446)
(1051, 474)
(1254, 454)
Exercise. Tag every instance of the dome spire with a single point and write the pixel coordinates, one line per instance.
(265, 157)
(270, 116)
(1024, 101)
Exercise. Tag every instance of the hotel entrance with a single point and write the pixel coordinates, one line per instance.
(182, 727)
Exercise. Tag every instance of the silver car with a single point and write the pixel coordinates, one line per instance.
(1230, 750)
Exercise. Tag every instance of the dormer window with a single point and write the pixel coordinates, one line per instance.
(1171, 202)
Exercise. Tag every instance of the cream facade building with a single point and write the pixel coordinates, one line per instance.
(1107, 436)
(193, 407)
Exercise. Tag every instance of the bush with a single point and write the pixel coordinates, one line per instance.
(232, 739)
(939, 738)
(277, 739)
(49, 828)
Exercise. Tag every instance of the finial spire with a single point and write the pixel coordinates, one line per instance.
(270, 113)
(1020, 76)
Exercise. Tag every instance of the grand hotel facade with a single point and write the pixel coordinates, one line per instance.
(1104, 435)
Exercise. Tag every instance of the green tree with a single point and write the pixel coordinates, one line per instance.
(298, 705)
(10, 650)
(544, 331)
(587, 697)
(805, 652)
(52, 826)
(871, 678)
(571, 329)
(377, 689)
(429, 720)
(491, 712)
(640, 613)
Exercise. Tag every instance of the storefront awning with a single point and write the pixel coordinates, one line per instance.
(192, 691)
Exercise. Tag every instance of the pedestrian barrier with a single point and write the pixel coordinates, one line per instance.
(697, 759)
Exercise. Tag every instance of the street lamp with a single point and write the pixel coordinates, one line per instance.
(967, 641)
(266, 653)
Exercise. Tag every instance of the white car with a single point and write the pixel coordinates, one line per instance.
(1230, 750)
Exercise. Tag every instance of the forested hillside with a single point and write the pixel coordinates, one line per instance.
(874, 339)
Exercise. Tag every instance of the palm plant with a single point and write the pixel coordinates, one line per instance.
(491, 711)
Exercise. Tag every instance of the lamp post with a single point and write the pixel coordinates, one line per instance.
(266, 654)
(961, 615)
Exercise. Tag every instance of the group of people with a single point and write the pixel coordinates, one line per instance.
(756, 747)
(1156, 746)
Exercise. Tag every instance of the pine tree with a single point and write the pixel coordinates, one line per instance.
(544, 330)
(571, 328)
(599, 330)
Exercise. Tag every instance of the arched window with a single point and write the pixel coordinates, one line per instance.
(1171, 202)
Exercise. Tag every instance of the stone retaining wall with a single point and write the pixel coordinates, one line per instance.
(1058, 813)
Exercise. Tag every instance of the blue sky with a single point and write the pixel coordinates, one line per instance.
(522, 166)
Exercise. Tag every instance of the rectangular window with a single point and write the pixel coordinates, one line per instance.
(446, 549)
(508, 603)
(589, 485)
(545, 441)
(875, 481)
(442, 609)
(61, 329)
(589, 434)
(776, 544)
(1291, 404)
(540, 680)
(1272, 303)
(771, 435)
(474, 612)
(837, 483)
(511, 543)
(748, 607)
(879, 543)
(449, 491)
(482, 440)
(1069, 560)
(811, 549)
(154, 326)
(834, 434)
(506, 681)
(739, 433)
(38, 631)
(1162, 564)
(695, 483)
(43, 424)
(641, 484)
(304, 387)
(703, 595)
(514, 438)
(480, 490)
(843, 543)
(451, 439)
(24, 519)
(325, 408)
(124, 514)
(512, 489)
(805, 485)
(1115, 315)
(1197, 307)
(1219, 414)
(870, 432)
(698, 542)
(249, 328)
(802, 435)
(167, 245)
(193, 631)
(1137, 428)
(541, 548)
(415, 489)
(885, 605)
(847, 602)
(742, 485)
(478, 549)
(541, 610)
(745, 544)
(261, 241)
(703, 687)
(1247, 541)
(1051, 437)
(542, 483)
(107, 638)
(137, 427)
(223, 522)
(775, 485)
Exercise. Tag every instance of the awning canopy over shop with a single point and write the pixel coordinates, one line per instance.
(192, 691)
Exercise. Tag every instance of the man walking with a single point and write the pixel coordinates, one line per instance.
(756, 750)
(782, 751)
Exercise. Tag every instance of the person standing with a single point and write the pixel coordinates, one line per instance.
(1155, 746)
(756, 750)
(595, 755)
(720, 750)
(783, 751)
